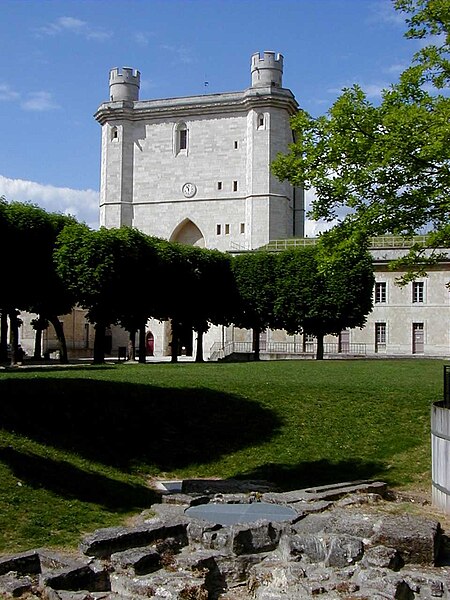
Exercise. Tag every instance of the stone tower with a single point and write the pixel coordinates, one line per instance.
(197, 169)
(267, 70)
(124, 85)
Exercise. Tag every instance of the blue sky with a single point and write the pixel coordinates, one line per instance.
(57, 54)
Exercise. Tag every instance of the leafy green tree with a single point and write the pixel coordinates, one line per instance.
(210, 299)
(324, 289)
(143, 280)
(256, 285)
(27, 243)
(196, 292)
(103, 269)
(385, 167)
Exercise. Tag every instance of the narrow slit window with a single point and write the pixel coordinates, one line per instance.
(183, 139)
(218, 229)
(235, 145)
(242, 227)
(235, 186)
(219, 185)
(227, 228)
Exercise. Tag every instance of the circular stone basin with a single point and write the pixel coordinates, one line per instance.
(229, 514)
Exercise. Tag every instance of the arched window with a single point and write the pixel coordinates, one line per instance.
(261, 122)
(181, 138)
(114, 134)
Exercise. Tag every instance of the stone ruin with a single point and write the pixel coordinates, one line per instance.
(340, 543)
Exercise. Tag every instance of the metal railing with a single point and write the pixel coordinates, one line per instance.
(218, 351)
(386, 241)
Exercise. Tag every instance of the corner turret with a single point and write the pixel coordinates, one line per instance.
(124, 84)
(267, 70)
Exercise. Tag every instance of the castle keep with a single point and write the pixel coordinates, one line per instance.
(197, 169)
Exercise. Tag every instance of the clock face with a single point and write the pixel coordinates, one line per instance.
(189, 189)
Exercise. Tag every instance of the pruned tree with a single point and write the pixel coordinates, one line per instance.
(324, 289)
(256, 285)
(27, 241)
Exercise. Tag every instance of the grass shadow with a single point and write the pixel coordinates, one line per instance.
(123, 425)
(68, 481)
(315, 473)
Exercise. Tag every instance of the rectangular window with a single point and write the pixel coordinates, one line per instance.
(242, 227)
(227, 228)
(219, 185)
(417, 291)
(218, 229)
(235, 186)
(183, 139)
(380, 292)
(380, 337)
(308, 342)
(235, 145)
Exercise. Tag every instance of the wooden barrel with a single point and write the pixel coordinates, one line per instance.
(440, 456)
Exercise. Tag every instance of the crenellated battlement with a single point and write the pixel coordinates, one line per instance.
(267, 70)
(124, 84)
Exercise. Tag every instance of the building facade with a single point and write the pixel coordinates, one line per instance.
(196, 170)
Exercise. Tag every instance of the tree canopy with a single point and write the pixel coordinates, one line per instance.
(324, 289)
(384, 168)
(28, 236)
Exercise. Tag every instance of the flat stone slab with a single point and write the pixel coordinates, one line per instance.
(327, 492)
(230, 514)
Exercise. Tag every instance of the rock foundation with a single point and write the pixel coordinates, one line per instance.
(340, 543)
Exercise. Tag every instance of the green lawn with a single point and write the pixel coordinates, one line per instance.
(79, 444)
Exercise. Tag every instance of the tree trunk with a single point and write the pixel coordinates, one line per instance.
(99, 344)
(142, 348)
(59, 330)
(3, 335)
(14, 337)
(131, 346)
(174, 343)
(199, 349)
(319, 354)
(256, 332)
(37, 354)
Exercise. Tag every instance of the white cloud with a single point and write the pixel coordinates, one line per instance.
(7, 93)
(182, 54)
(396, 69)
(82, 204)
(372, 90)
(142, 38)
(75, 26)
(39, 101)
(383, 11)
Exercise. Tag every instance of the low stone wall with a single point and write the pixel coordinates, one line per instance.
(340, 542)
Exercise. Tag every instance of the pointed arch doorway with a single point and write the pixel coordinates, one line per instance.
(186, 232)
